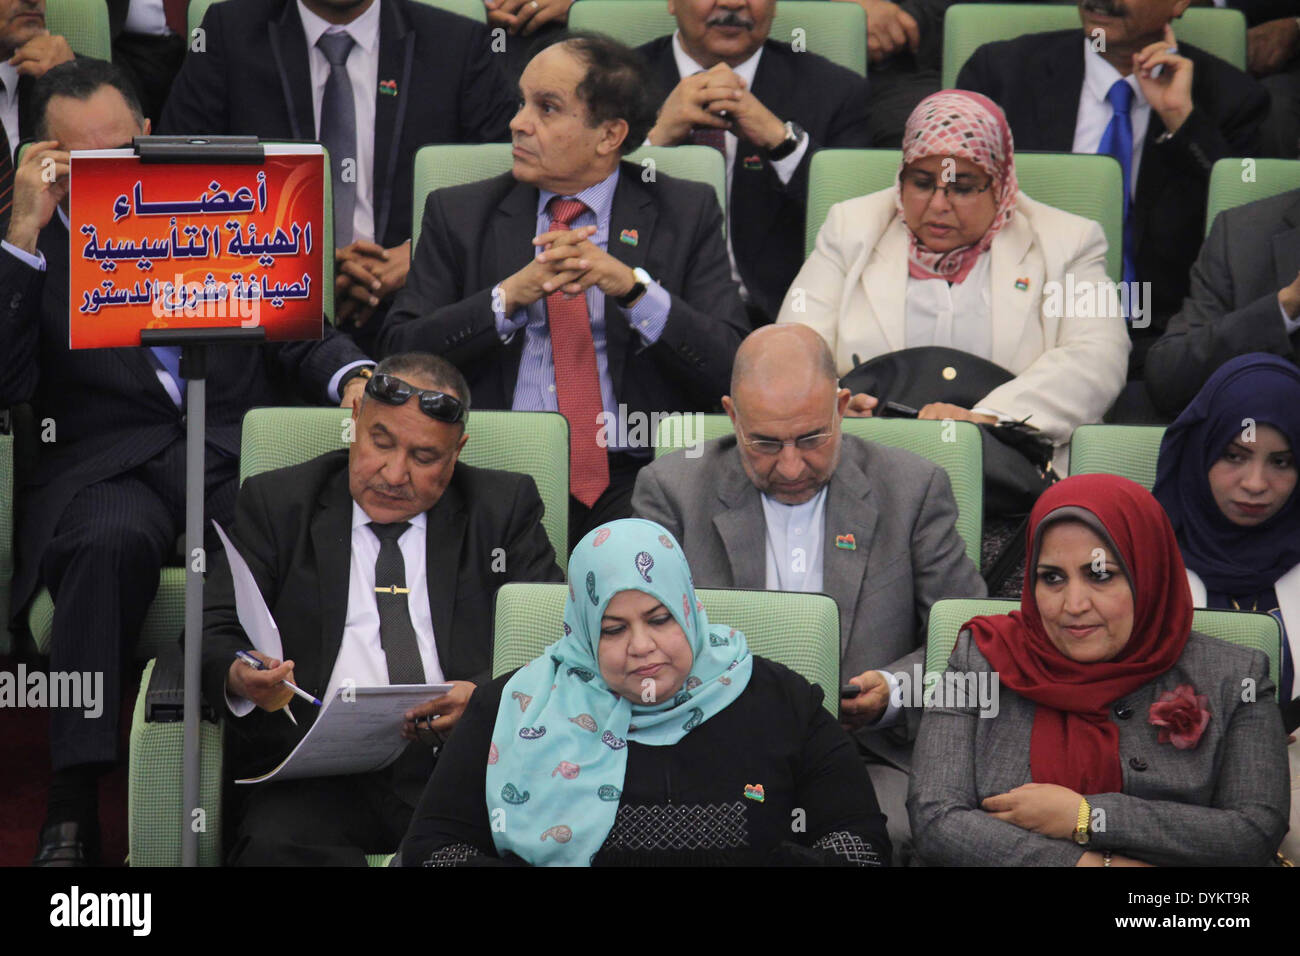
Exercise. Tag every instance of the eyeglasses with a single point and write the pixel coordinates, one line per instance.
(958, 192)
(391, 390)
(773, 446)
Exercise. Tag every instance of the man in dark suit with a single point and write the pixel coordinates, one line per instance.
(1058, 92)
(412, 75)
(27, 51)
(105, 504)
(790, 503)
(149, 40)
(573, 283)
(1245, 297)
(724, 83)
(317, 538)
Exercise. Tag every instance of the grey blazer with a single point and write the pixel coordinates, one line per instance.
(899, 508)
(1224, 802)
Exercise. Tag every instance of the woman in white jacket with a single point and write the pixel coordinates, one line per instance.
(1227, 478)
(955, 255)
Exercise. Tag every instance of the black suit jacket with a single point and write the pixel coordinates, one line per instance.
(1037, 80)
(476, 235)
(110, 411)
(254, 78)
(1252, 252)
(767, 215)
(294, 528)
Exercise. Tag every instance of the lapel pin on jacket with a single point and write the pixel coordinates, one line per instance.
(754, 791)
(1022, 284)
(629, 236)
(845, 542)
(388, 87)
(753, 162)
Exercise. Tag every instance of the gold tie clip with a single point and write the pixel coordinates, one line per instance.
(392, 589)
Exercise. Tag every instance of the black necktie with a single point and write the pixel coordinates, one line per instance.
(338, 130)
(6, 176)
(396, 633)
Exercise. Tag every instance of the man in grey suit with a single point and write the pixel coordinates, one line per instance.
(1245, 297)
(788, 503)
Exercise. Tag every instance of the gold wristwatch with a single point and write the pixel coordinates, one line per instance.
(1081, 823)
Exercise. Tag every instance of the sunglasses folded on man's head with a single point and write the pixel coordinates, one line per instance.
(391, 390)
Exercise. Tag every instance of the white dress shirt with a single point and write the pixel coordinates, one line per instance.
(361, 655)
(146, 17)
(9, 104)
(785, 168)
(1095, 111)
(363, 73)
(958, 316)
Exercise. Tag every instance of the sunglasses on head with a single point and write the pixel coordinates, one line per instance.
(391, 390)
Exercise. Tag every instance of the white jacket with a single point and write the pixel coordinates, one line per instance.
(1068, 369)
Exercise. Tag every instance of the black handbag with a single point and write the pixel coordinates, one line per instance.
(1017, 458)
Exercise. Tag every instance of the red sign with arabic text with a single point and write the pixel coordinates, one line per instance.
(195, 246)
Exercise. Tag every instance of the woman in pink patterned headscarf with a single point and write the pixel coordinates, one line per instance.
(960, 138)
(952, 254)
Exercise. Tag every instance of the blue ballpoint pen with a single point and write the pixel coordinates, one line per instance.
(253, 662)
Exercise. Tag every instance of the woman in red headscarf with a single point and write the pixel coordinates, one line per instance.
(954, 255)
(1118, 735)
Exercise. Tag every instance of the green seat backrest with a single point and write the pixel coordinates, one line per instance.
(83, 23)
(473, 9)
(959, 451)
(837, 31)
(968, 26)
(440, 166)
(1084, 184)
(1235, 182)
(1259, 632)
(531, 443)
(1130, 451)
(801, 631)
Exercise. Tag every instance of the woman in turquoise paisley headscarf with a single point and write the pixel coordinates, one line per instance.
(716, 748)
(565, 744)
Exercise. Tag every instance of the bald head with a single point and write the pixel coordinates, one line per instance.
(783, 358)
(784, 389)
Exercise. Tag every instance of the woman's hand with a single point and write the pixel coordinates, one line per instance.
(1044, 808)
(938, 411)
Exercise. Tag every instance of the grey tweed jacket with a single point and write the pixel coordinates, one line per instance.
(900, 510)
(1224, 802)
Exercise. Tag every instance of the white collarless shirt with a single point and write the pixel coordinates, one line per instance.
(784, 168)
(363, 74)
(794, 543)
(1095, 111)
(958, 316)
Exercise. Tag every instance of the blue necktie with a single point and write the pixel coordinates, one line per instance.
(170, 357)
(338, 130)
(1117, 141)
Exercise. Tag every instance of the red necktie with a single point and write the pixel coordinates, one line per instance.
(710, 136)
(174, 12)
(577, 383)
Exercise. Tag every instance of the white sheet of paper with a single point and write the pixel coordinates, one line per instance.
(254, 616)
(360, 735)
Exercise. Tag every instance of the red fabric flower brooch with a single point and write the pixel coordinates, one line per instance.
(1181, 715)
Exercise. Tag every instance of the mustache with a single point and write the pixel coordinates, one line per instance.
(1105, 8)
(386, 489)
(730, 18)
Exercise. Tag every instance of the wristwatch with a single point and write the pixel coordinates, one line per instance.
(1081, 823)
(360, 371)
(793, 133)
(642, 283)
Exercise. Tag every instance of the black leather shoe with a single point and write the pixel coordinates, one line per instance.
(67, 844)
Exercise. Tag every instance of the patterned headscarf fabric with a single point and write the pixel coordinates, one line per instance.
(558, 758)
(1073, 742)
(969, 126)
(1229, 558)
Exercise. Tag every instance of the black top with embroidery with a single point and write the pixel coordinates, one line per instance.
(692, 803)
